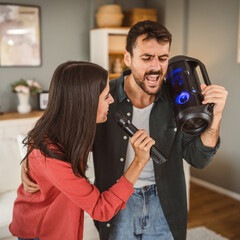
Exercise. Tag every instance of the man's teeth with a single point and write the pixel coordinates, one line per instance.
(152, 78)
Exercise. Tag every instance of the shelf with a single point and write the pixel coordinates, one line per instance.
(112, 28)
(16, 115)
(115, 53)
(113, 43)
(114, 75)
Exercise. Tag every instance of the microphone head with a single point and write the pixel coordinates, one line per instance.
(121, 119)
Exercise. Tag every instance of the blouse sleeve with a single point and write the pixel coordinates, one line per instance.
(101, 207)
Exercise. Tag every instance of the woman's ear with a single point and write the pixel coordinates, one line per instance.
(127, 58)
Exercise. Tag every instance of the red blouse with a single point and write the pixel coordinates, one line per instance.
(56, 211)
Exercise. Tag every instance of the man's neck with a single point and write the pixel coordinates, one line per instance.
(138, 97)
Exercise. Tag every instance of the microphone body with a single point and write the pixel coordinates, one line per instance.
(130, 129)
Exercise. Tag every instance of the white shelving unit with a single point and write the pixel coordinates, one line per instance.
(107, 44)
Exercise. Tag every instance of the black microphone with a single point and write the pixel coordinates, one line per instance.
(130, 129)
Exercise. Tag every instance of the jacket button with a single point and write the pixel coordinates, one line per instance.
(128, 114)
(108, 225)
(121, 159)
(125, 137)
(128, 100)
(175, 129)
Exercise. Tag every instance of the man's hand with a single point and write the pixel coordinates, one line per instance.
(28, 184)
(217, 95)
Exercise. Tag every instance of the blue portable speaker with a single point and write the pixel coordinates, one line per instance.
(191, 116)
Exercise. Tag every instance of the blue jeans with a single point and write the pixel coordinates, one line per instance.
(28, 238)
(142, 219)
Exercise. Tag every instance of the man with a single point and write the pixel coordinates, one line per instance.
(158, 208)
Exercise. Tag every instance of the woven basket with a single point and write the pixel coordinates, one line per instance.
(109, 16)
(139, 14)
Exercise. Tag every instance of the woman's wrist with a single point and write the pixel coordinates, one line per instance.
(140, 163)
(134, 170)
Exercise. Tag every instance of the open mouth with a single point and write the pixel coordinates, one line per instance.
(153, 79)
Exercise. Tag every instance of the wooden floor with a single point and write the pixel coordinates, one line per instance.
(214, 211)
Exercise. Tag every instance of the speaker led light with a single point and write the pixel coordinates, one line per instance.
(182, 98)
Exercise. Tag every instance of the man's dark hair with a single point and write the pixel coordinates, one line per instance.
(152, 30)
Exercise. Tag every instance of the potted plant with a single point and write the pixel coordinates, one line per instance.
(24, 88)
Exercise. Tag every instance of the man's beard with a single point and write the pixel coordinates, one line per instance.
(140, 82)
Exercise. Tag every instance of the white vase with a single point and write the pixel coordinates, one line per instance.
(24, 106)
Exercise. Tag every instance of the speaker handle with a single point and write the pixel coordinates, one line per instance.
(204, 73)
(205, 76)
(196, 63)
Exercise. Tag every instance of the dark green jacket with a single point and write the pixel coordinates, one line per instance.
(110, 148)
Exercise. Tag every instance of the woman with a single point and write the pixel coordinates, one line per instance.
(58, 148)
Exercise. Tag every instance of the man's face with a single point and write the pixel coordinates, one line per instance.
(148, 63)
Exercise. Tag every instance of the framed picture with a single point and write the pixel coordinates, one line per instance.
(43, 100)
(20, 43)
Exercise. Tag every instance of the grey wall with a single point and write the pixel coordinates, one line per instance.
(213, 29)
(65, 36)
(208, 30)
(176, 22)
(65, 29)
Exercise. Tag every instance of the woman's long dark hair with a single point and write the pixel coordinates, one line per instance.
(67, 128)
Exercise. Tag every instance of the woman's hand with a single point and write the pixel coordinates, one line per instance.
(141, 144)
(29, 186)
